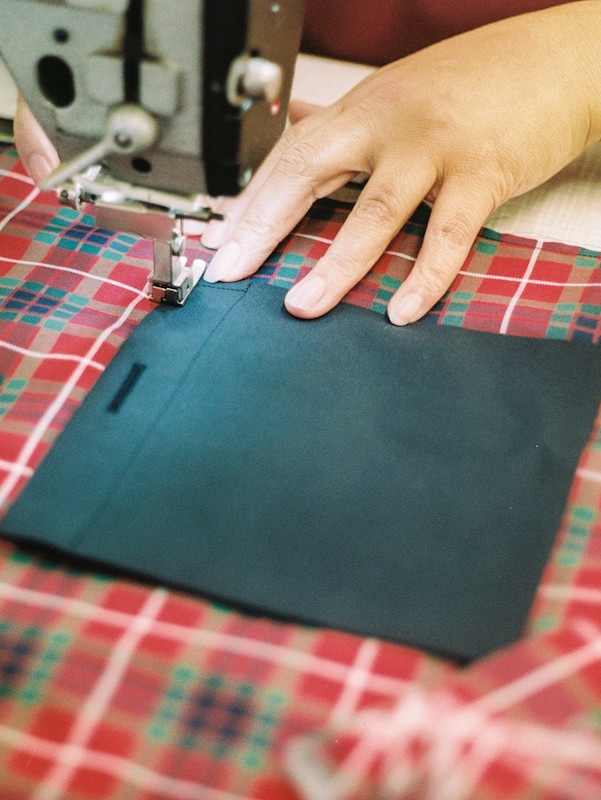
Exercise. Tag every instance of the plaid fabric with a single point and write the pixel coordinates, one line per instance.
(112, 690)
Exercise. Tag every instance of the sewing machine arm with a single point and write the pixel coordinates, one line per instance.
(154, 107)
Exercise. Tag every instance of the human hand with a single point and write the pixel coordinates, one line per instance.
(465, 124)
(37, 153)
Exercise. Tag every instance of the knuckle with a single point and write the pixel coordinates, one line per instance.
(449, 243)
(300, 159)
(435, 280)
(342, 270)
(456, 232)
(344, 264)
(255, 227)
(377, 210)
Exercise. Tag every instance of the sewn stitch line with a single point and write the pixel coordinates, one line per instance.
(124, 468)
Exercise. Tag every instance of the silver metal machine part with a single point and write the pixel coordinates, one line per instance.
(166, 102)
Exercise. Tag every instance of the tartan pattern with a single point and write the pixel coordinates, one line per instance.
(67, 301)
(113, 690)
(508, 284)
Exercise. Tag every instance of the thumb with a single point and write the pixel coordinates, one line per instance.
(37, 153)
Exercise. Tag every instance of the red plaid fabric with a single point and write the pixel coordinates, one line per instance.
(113, 690)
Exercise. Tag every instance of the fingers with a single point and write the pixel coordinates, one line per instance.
(216, 230)
(234, 208)
(386, 202)
(202, 228)
(378, 215)
(257, 232)
(457, 216)
(38, 155)
(302, 167)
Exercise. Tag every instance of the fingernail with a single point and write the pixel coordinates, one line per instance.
(194, 227)
(305, 295)
(214, 234)
(406, 309)
(224, 263)
(37, 166)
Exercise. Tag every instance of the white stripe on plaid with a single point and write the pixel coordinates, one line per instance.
(531, 281)
(460, 741)
(329, 241)
(83, 273)
(589, 474)
(122, 768)
(302, 662)
(355, 684)
(16, 176)
(37, 434)
(573, 593)
(20, 467)
(523, 284)
(25, 351)
(67, 759)
(9, 466)
(17, 209)
(470, 274)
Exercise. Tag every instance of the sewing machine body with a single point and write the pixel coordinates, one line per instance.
(153, 105)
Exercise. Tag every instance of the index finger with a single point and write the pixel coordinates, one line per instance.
(388, 199)
(306, 164)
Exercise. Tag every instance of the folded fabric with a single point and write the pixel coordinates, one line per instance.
(405, 483)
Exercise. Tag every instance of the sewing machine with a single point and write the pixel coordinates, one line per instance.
(154, 106)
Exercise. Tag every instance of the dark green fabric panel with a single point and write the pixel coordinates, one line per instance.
(403, 483)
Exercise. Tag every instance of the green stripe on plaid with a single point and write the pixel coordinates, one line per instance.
(577, 532)
(489, 248)
(10, 392)
(561, 321)
(217, 716)
(27, 661)
(33, 303)
(72, 231)
(558, 301)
